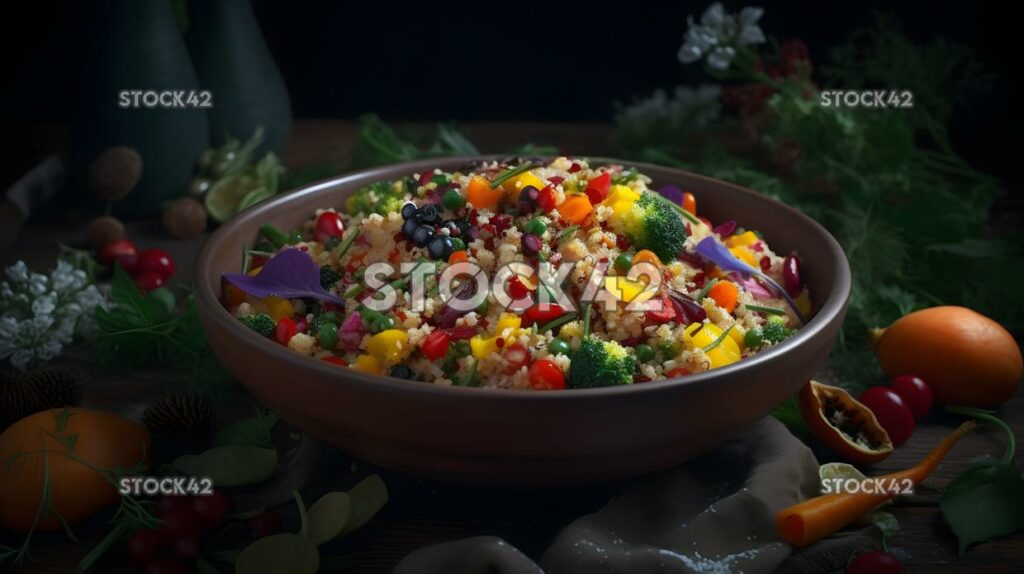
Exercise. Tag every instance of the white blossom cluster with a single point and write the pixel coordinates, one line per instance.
(685, 108)
(39, 314)
(718, 35)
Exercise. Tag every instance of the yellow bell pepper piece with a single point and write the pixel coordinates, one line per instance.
(622, 193)
(744, 255)
(278, 308)
(627, 290)
(482, 347)
(391, 345)
(508, 320)
(803, 302)
(254, 271)
(368, 364)
(745, 239)
(701, 335)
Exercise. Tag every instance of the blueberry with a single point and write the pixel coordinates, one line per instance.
(422, 235)
(409, 211)
(409, 227)
(429, 214)
(402, 372)
(440, 247)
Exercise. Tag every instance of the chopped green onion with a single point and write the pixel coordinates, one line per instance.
(769, 310)
(567, 232)
(719, 340)
(275, 236)
(468, 380)
(346, 243)
(704, 290)
(554, 323)
(509, 174)
(586, 319)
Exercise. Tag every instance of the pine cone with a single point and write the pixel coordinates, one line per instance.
(54, 387)
(36, 391)
(179, 414)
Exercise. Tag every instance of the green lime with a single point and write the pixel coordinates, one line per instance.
(226, 195)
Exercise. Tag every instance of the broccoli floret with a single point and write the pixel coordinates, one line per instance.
(260, 323)
(382, 197)
(776, 332)
(653, 224)
(328, 276)
(600, 364)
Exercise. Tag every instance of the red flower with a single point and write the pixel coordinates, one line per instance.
(794, 58)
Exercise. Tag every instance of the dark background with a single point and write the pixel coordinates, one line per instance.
(565, 61)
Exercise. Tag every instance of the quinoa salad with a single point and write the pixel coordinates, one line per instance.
(520, 274)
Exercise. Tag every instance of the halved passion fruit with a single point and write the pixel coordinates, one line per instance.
(843, 424)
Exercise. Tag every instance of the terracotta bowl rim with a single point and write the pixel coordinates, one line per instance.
(832, 308)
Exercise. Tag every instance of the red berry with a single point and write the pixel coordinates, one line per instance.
(145, 545)
(546, 199)
(264, 524)
(123, 252)
(182, 523)
(211, 508)
(187, 547)
(149, 280)
(168, 504)
(166, 566)
(328, 225)
(516, 289)
(516, 357)
(156, 260)
(892, 413)
(678, 372)
(791, 278)
(876, 562)
(915, 392)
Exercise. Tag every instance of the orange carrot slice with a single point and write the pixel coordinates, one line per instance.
(480, 194)
(575, 208)
(807, 522)
(725, 294)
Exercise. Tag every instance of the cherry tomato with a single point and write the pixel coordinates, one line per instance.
(286, 329)
(264, 524)
(597, 188)
(663, 315)
(435, 346)
(156, 260)
(876, 562)
(690, 202)
(545, 374)
(516, 289)
(166, 566)
(335, 361)
(182, 523)
(892, 413)
(516, 357)
(149, 280)
(123, 252)
(678, 372)
(211, 508)
(168, 504)
(328, 225)
(915, 392)
(546, 199)
(145, 545)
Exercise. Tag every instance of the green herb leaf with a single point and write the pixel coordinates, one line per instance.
(230, 465)
(285, 552)
(253, 431)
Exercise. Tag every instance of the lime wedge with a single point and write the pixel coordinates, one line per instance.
(226, 195)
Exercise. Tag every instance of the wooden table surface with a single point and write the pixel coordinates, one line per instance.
(421, 513)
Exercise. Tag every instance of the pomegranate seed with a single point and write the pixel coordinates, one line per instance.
(499, 342)
(556, 179)
(425, 177)
(621, 242)
(765, 263)
(574, 168)
(462, 332)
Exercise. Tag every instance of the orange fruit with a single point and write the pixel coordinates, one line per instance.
(966, 358)
(104, 440)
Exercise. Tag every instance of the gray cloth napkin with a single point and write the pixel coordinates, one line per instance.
(713, 514)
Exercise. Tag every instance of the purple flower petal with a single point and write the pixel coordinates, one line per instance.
(672, 193)
(718, 254)
(291, 274)
(726, 228)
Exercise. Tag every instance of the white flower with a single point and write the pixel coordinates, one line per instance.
(718, 35)
(686, 108)
(41, 314)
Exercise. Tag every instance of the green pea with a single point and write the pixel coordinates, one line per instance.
(452, 199)
(165, 297)
(294, 237)
(536, 226)
(458, 244)
(644, 353)
(382, 323)
(754, 338)
(559, 347)
(623, 262)
(328, 335)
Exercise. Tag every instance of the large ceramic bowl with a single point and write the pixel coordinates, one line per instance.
(526, 438)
